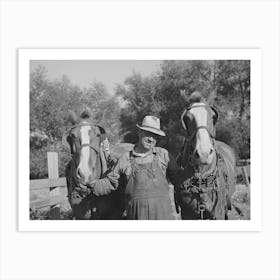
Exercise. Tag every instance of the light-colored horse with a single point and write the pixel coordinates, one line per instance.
(206, 194)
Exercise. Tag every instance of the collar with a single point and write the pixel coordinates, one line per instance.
(153, 151)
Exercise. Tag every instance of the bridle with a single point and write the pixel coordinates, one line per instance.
(97, 150)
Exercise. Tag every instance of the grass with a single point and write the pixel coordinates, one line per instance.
(240, 203)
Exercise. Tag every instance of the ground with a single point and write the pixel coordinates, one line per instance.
(240, 206)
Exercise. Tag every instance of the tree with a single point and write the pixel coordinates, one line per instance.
(50, 102)
(160, 95)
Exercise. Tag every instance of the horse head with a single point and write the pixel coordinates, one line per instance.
(85, 140)
(199, 120)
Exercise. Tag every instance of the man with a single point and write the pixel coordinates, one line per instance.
(144, 170)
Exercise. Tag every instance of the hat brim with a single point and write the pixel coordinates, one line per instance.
(151, 129)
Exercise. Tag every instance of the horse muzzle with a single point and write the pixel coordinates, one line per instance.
(85, 181)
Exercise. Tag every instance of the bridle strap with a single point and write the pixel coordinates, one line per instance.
(196, 106)
(81, 124)
(202, 127)
(89, 145)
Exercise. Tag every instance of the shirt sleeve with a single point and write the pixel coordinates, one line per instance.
(176, 174)
(110, 183)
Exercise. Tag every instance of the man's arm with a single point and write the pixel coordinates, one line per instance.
(176, 174)
(110, 183)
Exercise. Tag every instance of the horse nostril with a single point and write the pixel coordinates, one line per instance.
(211, 151)
(196, 154)
(79, 175)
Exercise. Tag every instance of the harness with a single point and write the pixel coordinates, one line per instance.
(199, 187)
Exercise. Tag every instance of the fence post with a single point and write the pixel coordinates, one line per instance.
(53, 174)
(245, 176)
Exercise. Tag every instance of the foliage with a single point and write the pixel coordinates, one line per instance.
(50, 102)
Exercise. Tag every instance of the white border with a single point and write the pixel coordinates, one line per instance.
(24, 57)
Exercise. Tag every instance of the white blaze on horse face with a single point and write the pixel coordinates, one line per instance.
(203, 146)
(84, 167)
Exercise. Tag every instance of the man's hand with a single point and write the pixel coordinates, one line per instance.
(106, 145)
(101, 187)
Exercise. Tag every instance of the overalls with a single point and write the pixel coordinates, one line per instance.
(147, 192)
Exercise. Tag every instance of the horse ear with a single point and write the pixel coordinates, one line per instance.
(216, 115)
(86, 113)
(183, 121)
(102, 132)
(184, 95)
(66, 141)
(72, 117)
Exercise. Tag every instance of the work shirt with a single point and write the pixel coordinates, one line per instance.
(123, 169)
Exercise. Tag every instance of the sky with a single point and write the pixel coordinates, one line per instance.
(84, 72)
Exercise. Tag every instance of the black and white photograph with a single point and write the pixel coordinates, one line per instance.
(140, 140)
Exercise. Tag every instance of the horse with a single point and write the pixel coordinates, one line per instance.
(210, 164)
(87, 164)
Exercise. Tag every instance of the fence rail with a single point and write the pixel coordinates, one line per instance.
(39, 184)
(53, 186)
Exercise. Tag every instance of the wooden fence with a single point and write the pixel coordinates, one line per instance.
(244, 169)
(53, 185)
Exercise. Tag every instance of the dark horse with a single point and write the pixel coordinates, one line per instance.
(206, 194)
(89, 163)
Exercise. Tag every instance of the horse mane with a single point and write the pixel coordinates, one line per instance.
(86, 113)
(196, 97)
(72, 117)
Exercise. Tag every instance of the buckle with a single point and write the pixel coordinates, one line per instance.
(201, 207)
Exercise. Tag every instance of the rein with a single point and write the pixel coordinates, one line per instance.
(202, 127)
(199, 186)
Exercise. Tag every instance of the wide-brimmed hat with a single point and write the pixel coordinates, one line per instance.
(151, 124)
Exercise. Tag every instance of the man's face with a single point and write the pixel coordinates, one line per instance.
(148, 139)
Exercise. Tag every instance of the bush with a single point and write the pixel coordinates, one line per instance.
(39, 162)
(236, 135)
